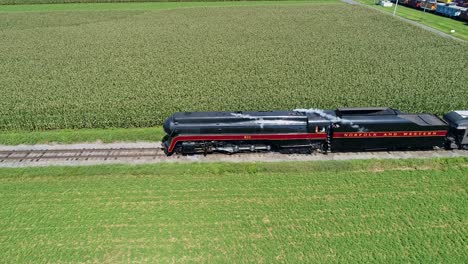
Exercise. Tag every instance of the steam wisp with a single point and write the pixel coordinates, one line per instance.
(261, 122)
(331, 118)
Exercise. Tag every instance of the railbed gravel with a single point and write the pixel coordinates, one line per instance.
(242, 157)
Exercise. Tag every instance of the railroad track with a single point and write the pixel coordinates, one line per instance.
(90, 155)
(79, 154)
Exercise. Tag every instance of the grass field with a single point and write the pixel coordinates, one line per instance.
(441, 23)
(359, 211)
(133, 68)
(67, 136)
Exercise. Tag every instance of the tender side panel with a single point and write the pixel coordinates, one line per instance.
(389, 132)
(388, 140)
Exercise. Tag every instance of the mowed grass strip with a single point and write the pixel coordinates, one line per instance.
(67, 136)
(353, 211)
(98, 69)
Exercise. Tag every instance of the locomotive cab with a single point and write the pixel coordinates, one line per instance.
(458, 131)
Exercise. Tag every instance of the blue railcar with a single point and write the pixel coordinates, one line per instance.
(449, 10)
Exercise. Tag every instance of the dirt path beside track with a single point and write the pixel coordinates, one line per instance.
(150, 152)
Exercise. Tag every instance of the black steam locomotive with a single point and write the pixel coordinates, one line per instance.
(310, 130)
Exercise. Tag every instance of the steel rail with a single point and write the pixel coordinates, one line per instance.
(79, 150)
(78, 154)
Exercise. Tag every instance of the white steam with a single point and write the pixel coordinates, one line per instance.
(331, 118)
(262, 122)
(334, 119)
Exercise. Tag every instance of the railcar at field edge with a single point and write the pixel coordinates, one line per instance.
(457, 9)
(307, 131)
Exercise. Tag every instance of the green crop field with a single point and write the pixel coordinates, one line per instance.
(22, 2)
(359, 211)
(98, 68)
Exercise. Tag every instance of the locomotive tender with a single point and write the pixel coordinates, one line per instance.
(310, 130)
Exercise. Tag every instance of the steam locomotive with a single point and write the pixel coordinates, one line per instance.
(313, 130)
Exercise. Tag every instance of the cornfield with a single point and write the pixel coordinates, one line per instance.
(96, 69)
